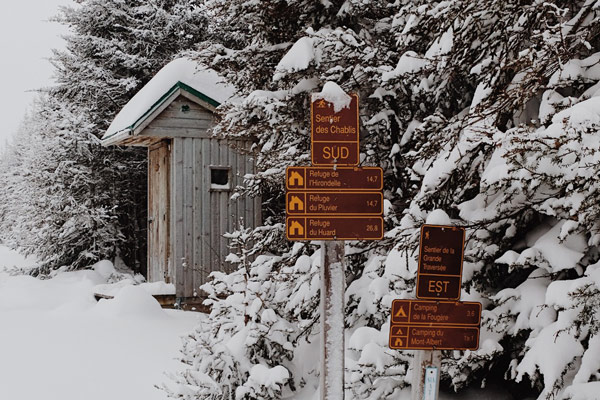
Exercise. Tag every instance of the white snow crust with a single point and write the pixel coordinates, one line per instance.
(438, 217)
(57, 342)
(298, 57)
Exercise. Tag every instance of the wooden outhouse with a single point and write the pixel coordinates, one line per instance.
(191, 174)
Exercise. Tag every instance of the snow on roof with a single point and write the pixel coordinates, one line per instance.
(183, 73)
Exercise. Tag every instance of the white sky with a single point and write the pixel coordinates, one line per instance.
(26, 38)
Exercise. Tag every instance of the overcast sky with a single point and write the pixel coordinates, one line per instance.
(26, 38)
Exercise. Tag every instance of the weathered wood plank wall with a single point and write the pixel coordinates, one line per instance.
(200, 215)
(158, 212)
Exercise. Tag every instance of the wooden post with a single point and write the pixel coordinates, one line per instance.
(333, 284)
(422, 360)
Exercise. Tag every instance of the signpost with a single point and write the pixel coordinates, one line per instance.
(334, 135)
(435, 325)
(333, 202)
(440, 262)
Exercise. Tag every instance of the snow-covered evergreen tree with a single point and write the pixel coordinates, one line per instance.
(99, 209)
(486, 110)
(64, 217)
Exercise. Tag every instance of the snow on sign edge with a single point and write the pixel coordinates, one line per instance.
(184, 70)
(334, 94)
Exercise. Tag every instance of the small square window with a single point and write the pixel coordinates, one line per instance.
(220, 178)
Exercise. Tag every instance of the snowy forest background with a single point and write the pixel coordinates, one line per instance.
(487, 110)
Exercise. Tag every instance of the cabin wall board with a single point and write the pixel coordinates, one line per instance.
(204, 227)
(177, 230)
(199, 270)
(158, 212)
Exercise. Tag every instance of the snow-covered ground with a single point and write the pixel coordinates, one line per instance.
(58, 343)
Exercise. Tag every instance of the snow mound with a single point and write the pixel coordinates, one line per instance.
(438, 217)
(194, 75)
(131, 301)
(25, 292)
(263, 379)
(10, 259)
(152, 288)
(105, 268)
(158, 288)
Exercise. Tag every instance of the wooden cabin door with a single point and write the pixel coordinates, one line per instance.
(159, 168)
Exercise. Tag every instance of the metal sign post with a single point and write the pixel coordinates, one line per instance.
(333, 283)
(424, 362)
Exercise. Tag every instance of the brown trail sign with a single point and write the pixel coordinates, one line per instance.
(334, 135)
(423, 312)
(327, 178)
(334, 228)
(441, 251)
(435, 325)
(418, 337)
(316, 203)
(336, 203)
